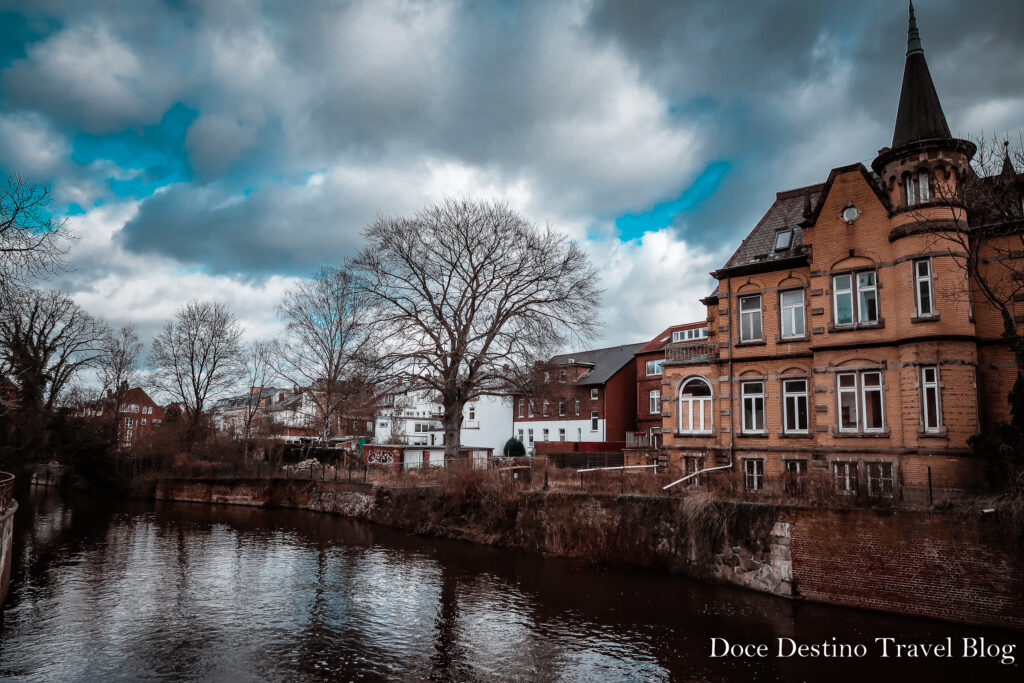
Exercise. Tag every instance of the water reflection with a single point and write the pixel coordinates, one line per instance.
(139, 590)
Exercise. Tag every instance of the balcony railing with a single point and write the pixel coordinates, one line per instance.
(642, 440)
(695, 351)
(6, 490)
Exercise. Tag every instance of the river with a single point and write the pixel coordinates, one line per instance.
(134, 590)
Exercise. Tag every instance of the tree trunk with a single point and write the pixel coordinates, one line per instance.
(452, 429)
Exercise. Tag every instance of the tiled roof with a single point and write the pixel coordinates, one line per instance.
(786, 213)
(659, 342)
(606, 362)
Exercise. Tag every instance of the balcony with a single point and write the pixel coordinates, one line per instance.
(642, 440)
(694, 351)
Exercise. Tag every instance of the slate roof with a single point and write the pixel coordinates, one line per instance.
(606, 362)
(233, 402)
(660, 341)
(786, 213)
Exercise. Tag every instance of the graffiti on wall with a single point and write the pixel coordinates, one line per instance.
(380, 456)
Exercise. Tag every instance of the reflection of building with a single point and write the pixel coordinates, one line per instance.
(840, 340)
(584, 396)
(412, 415)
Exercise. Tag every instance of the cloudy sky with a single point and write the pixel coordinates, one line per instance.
(223, 149)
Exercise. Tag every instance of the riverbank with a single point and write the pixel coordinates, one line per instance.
(938, 564)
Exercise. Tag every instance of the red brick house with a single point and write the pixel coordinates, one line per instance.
(841, 338)
(649, 361)
(582, 396)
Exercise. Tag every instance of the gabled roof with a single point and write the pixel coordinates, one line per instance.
(606, 362)
(787, 213)
(919, 116)
(138, 396)
(665, 338)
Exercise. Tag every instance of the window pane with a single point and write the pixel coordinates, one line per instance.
(848, 410)
(848, 380)
(931, 409)
(696, 387)
(867, 304)
(843, 286)
(872, 409)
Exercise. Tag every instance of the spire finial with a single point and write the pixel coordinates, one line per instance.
(1008, 169)
(913, 36)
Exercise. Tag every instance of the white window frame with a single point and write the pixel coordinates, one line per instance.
(595, 421)
(561, 407)
(856, 291)
(797, 396)
(561, 433)
(879, 480)
(931, 385)
(923, 187)
(522, 407)
(845, 471)
(520, 436)
(794, 314)
(545, 434)
(687, 335)
(747, 393)
(529, 408)
(654, 402)
(654, 367)
(529, 435)
(860, 390)
(753, 474)
(923, 282)
(788, 243)
(751, 315)
(698, 401)
(593, 394)
(544, 408)
(911, 187)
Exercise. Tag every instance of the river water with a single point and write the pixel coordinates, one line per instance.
(135, 590)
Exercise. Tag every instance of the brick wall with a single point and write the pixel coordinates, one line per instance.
(940, 565)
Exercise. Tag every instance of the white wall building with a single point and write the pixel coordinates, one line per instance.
(412, 415)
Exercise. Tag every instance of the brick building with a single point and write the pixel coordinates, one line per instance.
(137, 416)
(841, 337)
(649, 361)
(584, 396)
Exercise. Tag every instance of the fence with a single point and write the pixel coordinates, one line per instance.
(6, 490)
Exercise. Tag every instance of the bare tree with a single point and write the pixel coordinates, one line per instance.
(257, 359)
(470, 294)
(119, 368)
(329, 344)
(45, 340)
(33, 240)
(197, 356)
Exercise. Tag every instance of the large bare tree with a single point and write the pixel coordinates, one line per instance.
(119, 368)
(45, 340)
(33, 239)
(329, 345)
(471, 294)
(198, 356)
(258, 371)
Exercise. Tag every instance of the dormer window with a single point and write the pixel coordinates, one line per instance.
(918, 188)
(783, 240)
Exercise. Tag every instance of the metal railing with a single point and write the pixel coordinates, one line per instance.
(642, 440)
(6, 490)
(696, 351)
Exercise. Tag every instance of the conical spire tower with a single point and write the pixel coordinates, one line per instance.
(920, 114)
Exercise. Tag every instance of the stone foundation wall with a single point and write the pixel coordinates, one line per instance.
(936, 564)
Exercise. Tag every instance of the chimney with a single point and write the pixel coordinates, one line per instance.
(255, 390)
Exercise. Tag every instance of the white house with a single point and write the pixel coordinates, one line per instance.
(412, 415)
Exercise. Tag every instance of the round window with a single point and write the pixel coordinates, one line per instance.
(850, 214)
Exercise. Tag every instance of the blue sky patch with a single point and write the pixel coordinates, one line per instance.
(634, 225)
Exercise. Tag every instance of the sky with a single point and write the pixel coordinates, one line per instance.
(225, 149)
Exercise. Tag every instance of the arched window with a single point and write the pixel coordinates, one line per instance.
(695, 407)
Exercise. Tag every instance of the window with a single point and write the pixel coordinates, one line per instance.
(545, 406)
(561, 407)
(654, 402)
(544, 435)
(860, 394)
(931, 414)
(879, 478)
(522, 406)
(686, 335)
(794, 406)
(753, 406)
(143, 421)
(753, 475)
(783, 240)
(695, 407)
(529, 435)
(750, 318)
(792, 310)
(576, 405)
(918, 188)
(561, 434)
(593, 394)
(520, 436)
(472, 412)
(864, 306)
(529, 408)
(844, 474)
(795, 468)
(593, 421)
(653, 368)
(561, 376)
(923, 287)
(579, 433)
